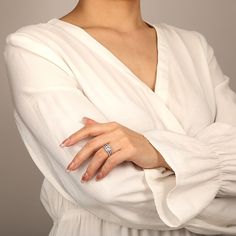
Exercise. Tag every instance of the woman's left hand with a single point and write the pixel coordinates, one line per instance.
(127, 145)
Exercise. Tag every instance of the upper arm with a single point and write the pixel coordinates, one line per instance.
(224, 95)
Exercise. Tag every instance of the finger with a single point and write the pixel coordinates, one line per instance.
(98, 160)
(88, 130)
(89, 121)
(88, 149)
(111, 162)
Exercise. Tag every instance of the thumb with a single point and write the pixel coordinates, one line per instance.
(87, 120)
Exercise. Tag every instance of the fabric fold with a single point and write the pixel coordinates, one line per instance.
(52, 90)
(204, 165)
(48, 107)
(194, 183)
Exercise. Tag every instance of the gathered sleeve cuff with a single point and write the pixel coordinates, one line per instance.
(203, 167)
(195, 179)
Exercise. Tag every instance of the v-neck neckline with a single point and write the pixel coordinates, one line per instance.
(161, 77)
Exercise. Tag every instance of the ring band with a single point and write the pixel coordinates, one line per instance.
(108, 149)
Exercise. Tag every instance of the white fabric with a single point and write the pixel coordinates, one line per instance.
(59, 73)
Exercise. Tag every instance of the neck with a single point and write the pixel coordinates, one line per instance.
(124, 15)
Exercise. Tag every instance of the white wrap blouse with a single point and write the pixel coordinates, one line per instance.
(58, 73)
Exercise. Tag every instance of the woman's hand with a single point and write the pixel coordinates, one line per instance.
(127, 145)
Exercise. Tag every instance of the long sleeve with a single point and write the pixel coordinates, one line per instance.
(49, 105)
(204, 166)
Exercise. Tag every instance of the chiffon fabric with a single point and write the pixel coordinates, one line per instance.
(59, 73)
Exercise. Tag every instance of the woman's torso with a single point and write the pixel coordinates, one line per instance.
(122, 92)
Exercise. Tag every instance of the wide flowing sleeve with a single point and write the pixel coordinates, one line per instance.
(204, 166)
(49, 105)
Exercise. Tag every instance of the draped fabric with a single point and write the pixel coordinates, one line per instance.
(58, 73)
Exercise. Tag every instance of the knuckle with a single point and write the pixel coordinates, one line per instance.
(120, 132)
(100, 155)
(114, 123)
(127, 140)
(91, 143)
(94, 131)
(132, 148)
(110, 162)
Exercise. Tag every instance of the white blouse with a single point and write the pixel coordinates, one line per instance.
(59, 73)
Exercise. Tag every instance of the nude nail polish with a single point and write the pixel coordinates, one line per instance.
(99, 176)
(65, 142)
(71, 166)
(84, 177)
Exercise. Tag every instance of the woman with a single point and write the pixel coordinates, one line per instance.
(161, 128)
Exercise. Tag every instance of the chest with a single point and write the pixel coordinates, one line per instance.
(136, 51)
(108, 78)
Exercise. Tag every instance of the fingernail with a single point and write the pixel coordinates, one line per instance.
(71, 166)
(99, 176)
(65, 142)
(84, 177)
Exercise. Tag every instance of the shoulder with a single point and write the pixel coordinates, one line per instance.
(186, 42)
(29, 32)
(173, 31)
(33, 36)
(39, 39)
(185, 37)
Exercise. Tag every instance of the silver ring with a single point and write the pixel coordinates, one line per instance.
(108, 149)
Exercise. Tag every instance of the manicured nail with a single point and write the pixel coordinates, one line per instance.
(65, 142)
(99, 176)
(84, 177)
(71, 166)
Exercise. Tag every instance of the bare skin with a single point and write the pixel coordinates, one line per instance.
(118, 25)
